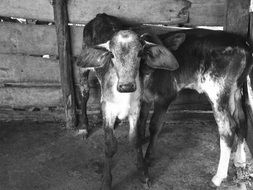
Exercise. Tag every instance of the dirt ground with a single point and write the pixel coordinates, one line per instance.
(45, 156)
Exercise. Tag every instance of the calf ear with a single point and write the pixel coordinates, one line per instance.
(174, 41)
(159, 57)
(93, 57)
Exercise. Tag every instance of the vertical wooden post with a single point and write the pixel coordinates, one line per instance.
(64, 52)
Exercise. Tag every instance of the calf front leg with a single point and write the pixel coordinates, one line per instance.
(139, 124)
(141, 129)
(84, 89)
(110, 145)
(155, 126)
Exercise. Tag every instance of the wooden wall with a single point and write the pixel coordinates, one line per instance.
(27, 80)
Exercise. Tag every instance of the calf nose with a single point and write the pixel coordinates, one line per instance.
(129, 87)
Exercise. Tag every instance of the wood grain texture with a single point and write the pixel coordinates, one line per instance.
(22, 70)
(65, 62)
(28, 69)
(22, 97)
(141, 11)
(27, 39)
(42, 40)
(209, 14)
(236, 18)
(201, 12)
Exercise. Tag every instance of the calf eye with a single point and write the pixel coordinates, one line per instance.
(111, 54)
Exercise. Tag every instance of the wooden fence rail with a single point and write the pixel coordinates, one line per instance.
(193, 12)
(29, 80)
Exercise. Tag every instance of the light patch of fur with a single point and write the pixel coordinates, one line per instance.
(123, 105)
(209, 85)
(221, 173)
(105, 45)
(240, 155)
(250, 93)
(228, 49)
(123, 39)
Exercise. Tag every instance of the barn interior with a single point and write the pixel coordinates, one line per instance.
(40, 147)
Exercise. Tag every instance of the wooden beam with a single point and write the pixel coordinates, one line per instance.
(236, 18)
(41, 39)
(201, 12)
(162, 11)
(35, 71)
(64, 52)
(18, 96)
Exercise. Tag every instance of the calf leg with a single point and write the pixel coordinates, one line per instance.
(84, 89)
(110, 145)
(239, 116)
(226, 128)
(155, 126)
(141, 128)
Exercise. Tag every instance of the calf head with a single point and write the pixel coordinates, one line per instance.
(124, 52)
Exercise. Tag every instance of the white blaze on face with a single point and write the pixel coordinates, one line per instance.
(124, 38)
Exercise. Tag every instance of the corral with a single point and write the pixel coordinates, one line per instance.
(37, 152)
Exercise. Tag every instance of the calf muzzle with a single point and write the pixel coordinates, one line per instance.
(128, 87)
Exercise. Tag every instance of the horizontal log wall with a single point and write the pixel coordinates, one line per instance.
(193, 12)
(27, 80)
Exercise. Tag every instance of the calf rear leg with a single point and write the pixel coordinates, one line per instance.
(84, 89)
(239, 116)
(226, 127)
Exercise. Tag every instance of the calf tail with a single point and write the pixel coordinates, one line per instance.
(247, 103)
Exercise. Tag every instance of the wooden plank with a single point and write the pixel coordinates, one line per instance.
(162, 11)
(237, 16)
(41, 115)
(41, 39)
(34, 71)
(25, 97)
(21, 69)
(65, 54)
(27, 39)
(209, 14)
(202, 12)
(18, 97)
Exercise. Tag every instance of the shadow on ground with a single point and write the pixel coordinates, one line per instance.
(45, 156)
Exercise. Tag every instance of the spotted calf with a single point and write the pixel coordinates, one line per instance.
(212, 62)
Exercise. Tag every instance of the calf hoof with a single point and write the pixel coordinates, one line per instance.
(212, 185)
(216, 181)
(149, 161)
(106, 185)
(83, 130)
(144, 177)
